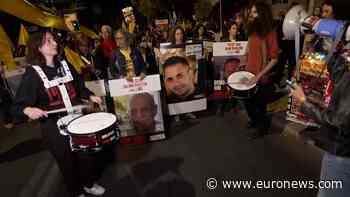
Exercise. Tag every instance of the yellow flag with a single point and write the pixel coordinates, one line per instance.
(6, 46)
(74, 59)
(28, 12)
(23, 36)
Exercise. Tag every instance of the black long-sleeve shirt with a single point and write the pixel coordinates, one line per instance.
(32, 93)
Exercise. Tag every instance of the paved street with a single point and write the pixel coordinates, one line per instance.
(210, 147)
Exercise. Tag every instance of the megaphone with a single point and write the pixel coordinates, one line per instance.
(292, 21)
(297, 19)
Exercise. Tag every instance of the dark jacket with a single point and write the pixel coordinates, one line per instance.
(336, 118)
(118, 65)
(32, 92)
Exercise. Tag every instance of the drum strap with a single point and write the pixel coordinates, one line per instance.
(49, 84)
(65, 98)
(58, 82)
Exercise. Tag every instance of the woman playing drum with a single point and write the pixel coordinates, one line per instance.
(49, 84)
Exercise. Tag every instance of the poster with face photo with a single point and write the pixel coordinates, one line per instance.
(184, 92)
(138, 107)
(229, 57)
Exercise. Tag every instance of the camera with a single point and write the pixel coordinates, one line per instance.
(76, 25)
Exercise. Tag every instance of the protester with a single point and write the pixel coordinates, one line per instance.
(37, 95)
(261, 58)
(127, 61)
(327, 10)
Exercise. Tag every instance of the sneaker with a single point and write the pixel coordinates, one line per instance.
(177, 118)
(96, 190)
(190, 116)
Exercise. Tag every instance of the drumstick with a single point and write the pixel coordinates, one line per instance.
(85, 60)
(238, 82)
(75, 108)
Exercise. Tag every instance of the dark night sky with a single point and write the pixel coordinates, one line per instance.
(107, 12)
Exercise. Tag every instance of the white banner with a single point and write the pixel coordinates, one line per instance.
(187, 106)
(122, 87)
(230, 48)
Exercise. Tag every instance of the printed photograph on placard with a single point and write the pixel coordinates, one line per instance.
(180, 78)
(229, 57)
(183, 76)
(139, 114)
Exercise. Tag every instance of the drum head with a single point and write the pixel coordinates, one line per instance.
(68, 118)
(235, 78)
(64, 121)
(91, 123)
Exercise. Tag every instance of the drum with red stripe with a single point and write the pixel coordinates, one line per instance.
(238, 88)
(90, 133)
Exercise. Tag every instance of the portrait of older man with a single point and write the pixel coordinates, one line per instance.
(142, 112)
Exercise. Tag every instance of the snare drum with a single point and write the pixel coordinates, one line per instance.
(62, 123)
(89, 133)
(240, 90)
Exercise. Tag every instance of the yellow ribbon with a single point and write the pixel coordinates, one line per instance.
(32, 14)
(74, 59)
(6, 47)
(23, 36)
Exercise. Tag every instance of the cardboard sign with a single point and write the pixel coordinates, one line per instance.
(229, 48)
(195, 49)
(139, 114)
(229, 57)
(187, 106)
(122, 87)
(138, 107)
